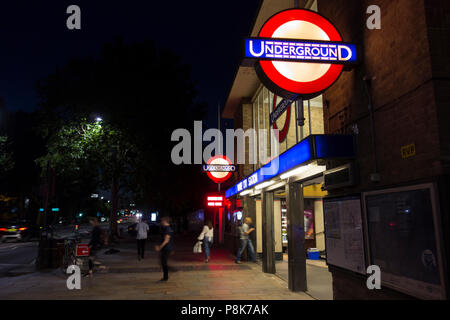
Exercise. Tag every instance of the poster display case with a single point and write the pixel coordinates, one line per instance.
(284, 224)
(344, 239)
(404, 239)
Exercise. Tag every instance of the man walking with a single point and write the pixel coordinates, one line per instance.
(95, 244)
(141, 237)
(166, 246)
(246, 230)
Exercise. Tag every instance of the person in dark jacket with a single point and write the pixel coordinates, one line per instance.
(166, 246)
(95, 244)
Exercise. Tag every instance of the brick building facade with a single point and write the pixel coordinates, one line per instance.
(408, 63)
(395, 104)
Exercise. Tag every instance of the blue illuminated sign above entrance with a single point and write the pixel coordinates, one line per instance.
(312, 148)
(305, 50)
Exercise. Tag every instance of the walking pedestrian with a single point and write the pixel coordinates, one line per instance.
(166, 246)
(246, 229)
(207, 236)
(141, 237)
(95, 244)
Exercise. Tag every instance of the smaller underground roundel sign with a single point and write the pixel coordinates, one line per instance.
(299, 53)
(219, 168)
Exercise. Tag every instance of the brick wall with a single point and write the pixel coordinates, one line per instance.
(247, 123)
(408, 59)
(238, 120)
(438, 22)
(402, 92)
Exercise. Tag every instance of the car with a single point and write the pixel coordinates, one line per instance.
(132, 229)
(17, 230)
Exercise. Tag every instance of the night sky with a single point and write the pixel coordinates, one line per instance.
(34, 40)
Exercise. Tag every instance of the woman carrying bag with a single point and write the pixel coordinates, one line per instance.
(207, 236)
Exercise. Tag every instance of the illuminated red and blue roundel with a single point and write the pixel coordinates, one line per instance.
(219, 168)
(299, 53)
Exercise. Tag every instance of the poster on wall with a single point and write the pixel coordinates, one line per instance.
(404, 240)
(309, 224)
(344, 233)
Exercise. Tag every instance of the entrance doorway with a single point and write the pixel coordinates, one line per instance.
(319, 280)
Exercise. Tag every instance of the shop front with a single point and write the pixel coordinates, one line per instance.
(287, 207)
(281, 102)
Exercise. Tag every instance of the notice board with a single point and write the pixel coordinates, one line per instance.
(344, 237)
(404, 239)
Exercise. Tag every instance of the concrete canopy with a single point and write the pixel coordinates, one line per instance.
(245, 84)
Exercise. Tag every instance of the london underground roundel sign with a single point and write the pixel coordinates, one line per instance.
(299, 53)
(219, 168)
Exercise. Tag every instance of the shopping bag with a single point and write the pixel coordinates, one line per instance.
(198, 247)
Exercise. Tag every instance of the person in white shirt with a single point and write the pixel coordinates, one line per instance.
(246, 229)
(141, 237)
(207, 236)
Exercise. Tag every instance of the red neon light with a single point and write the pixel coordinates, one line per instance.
(215, 204)
(302, 88)
(2, 229)
(215, 198)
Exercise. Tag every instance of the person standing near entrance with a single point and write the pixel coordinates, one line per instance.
(207, 236)
(166, 246)
(245, 231)
(141, 237)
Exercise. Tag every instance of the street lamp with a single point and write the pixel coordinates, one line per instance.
(98, 119)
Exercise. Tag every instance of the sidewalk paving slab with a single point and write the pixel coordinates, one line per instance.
(127, 278)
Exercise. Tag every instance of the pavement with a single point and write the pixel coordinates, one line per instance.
(319, 281)
(124, 277)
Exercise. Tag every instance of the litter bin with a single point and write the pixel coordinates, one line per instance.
(50, 254)
(313, 254)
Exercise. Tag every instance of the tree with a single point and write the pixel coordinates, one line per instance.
(144, 94)
(6, 159)
(24, 145)
(94, 150)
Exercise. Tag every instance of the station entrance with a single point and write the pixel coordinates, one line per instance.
(311, 263)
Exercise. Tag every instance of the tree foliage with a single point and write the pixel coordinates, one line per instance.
(6, 158)
(142, 94)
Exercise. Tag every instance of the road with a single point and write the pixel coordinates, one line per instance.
(17, 257)
(20, 257)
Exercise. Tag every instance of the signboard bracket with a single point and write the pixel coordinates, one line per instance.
(300, 113)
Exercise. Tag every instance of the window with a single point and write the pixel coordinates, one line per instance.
(263, 105)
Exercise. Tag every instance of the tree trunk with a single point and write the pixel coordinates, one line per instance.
(114, 200)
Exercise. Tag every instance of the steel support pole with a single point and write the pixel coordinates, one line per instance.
(268, 234)
(296, 237)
